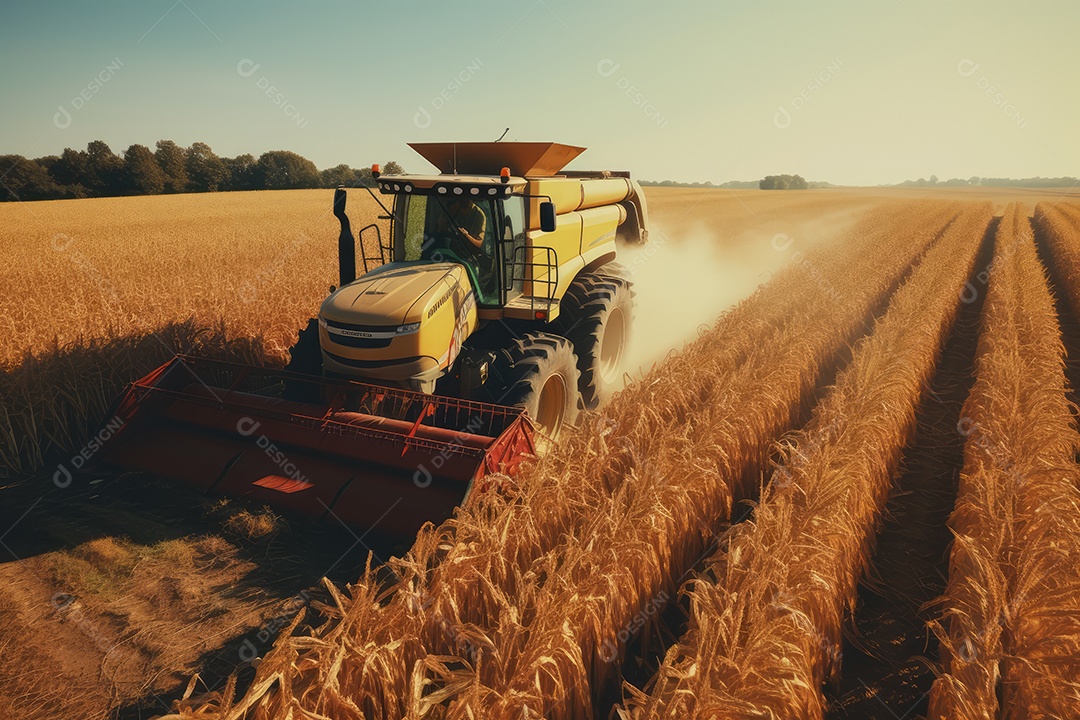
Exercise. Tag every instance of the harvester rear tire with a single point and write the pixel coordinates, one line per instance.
(597, 317)
(538, 371)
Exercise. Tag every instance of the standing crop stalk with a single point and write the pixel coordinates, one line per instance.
(1011, 621)
(765, 619)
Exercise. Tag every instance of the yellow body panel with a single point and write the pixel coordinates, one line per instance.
(580, 238)
(570, 194)
(595, 193)
(357, 339)
(564, 192)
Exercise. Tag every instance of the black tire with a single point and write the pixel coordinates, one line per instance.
(597, 318)
(305, 357)
(537, 371)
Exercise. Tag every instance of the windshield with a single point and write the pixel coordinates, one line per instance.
(457, 229)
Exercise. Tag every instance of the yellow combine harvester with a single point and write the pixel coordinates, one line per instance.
(494, 305)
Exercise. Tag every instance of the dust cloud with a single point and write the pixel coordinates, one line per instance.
(683, 281)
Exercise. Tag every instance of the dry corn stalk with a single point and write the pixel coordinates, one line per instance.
(1012, 606)
(765, 619)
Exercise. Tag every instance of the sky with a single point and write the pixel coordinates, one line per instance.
(853, 92)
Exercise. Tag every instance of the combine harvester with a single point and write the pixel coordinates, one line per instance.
(492, 316)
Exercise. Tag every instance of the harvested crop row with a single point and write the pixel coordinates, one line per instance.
(883, 662)
(766, 617)
(708, 445)
(458, 582)
(1058, 224)
(1070, 209)
(1012, 606)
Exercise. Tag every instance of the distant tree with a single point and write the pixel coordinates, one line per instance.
(206, 171)
(363, 178)
(783, 182)
(25, 180)
(48, 163)
(106, 169)
(171, 158)
(282, 169)
(392, 168)
(72, 170)
(933, 180)
(974, 180)
(241, 172)
(337, 176)
(144, 175)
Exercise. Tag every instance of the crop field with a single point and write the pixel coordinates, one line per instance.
(842, 484)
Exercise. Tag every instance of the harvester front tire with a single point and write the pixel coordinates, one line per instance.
(597, 318)
(305, 357)
(538, 371)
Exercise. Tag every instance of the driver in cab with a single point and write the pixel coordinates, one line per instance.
(464, 220)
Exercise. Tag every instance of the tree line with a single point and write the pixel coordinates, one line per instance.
(169, 168)
(1031, 182)
(771, 182)
(783, 182)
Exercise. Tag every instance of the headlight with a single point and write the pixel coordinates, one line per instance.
(406, 329)
(322, 323)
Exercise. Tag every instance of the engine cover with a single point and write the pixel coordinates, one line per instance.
(402, 323)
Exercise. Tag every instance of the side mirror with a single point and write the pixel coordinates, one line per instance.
(547, 216)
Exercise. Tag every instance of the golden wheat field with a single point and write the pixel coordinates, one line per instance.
(842, 484)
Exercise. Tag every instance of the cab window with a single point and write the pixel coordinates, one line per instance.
(457, 229)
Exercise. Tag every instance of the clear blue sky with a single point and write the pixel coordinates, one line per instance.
(850, 91)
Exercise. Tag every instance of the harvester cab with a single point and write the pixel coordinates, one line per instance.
(487, 318)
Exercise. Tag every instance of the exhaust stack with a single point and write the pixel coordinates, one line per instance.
(346, 241)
